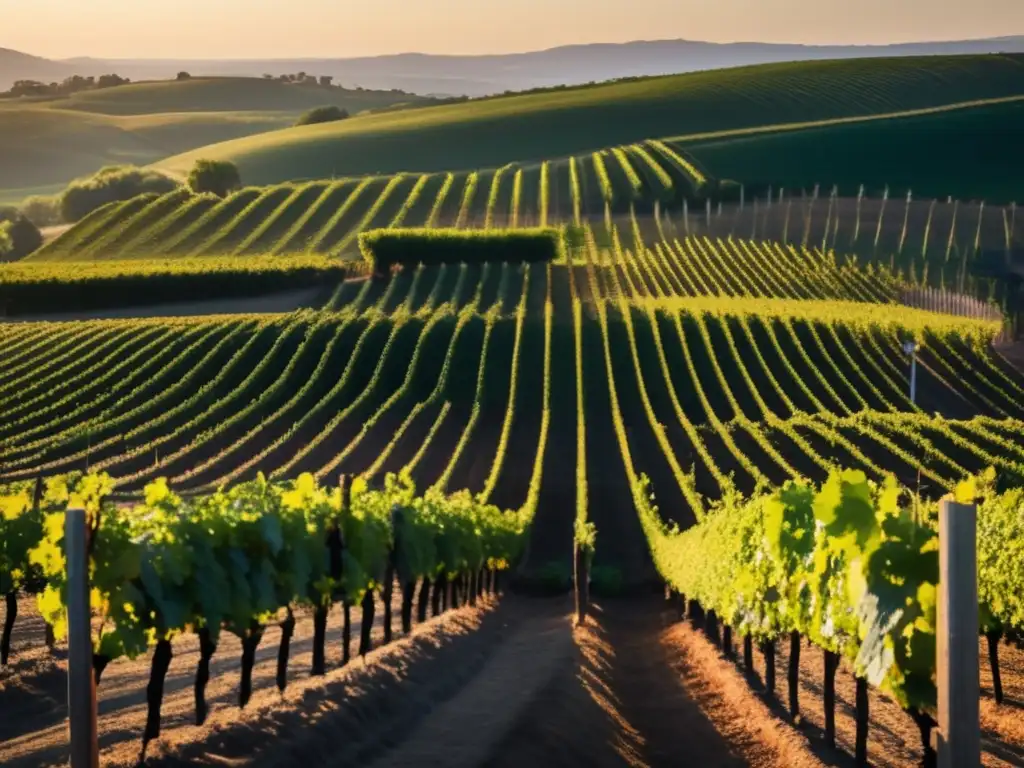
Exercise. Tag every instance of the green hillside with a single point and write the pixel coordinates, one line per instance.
(227, 94)
(42, 147)
(965, 153)
(45, 144)
(529, 127)
(325, 217)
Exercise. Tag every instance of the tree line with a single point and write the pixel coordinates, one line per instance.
(65, 87)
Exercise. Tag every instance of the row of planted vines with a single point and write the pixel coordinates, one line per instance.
(242, 558)
(851, 566)
(325, 217)
(717, 367)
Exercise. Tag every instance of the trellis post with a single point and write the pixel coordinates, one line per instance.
(81, 681)
(958, 736)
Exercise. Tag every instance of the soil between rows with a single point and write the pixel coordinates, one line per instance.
(508, 683)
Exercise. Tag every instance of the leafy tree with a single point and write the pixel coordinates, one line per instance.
(217, 176)
(328, 114)
(6, 241)
(42, 210)
(184, 76)
(20, 236)
(29, 88)
(110, 184)
(110, 81)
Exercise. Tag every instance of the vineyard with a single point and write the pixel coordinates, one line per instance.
(719, 369)
(652, 191)
(326, 217)
(613, 369)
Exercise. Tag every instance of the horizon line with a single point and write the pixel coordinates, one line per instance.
(596, 43)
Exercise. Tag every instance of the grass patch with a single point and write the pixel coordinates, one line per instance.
(72, 286)
(383, 248)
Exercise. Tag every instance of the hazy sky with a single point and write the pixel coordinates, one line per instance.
(334, 28)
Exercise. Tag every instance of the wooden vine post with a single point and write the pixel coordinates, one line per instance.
(11, 599)
(81, 679)
(958, 736)
(206, 650)
(423, 601)
(346, 606)
(793, 674)
(831, 665)
(387, 588)
(862, 706)
(768, 651)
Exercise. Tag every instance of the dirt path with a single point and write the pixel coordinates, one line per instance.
(506, 684)
(631, 698)
(893, 738)
(33, 688)
(464, 731)
(615, 692)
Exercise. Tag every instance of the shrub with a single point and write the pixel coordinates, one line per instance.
(219, 177)
(111, 81)
(58, 286)
(108, 185)
(384, 247)
(22, 237)
(42, 210)
(184, 76)
(322, 115)
(6, 241)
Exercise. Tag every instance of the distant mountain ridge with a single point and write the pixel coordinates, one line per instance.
(15, 65)
(482, 75)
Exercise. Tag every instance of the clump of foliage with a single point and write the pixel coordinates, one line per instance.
(61, 286)
(42, 210)
(328, 114)
(6, 243)
(67, 86)
(218, 177)
(111, 184)
(18, 236)
(382, 248)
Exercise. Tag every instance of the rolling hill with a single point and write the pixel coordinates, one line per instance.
(228, 94)
(970, 153)
(965, 150)
(529, 127)
(45, 144)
